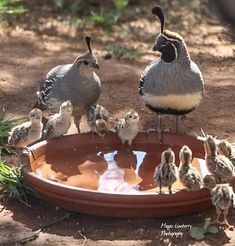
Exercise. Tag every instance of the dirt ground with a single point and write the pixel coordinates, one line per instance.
(25, 56)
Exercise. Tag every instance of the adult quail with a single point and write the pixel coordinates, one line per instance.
(173, 83)
(222, 198)
(59, 124)
(218, 165)
(166, 172)
(28, 132)
(127, 127)
(97, 119)
(189, 176)
(76, 82)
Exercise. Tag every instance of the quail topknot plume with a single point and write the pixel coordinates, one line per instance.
(222, 198)
(76, 82)
(127, 128)
(172, 84)
(97, 119)
(60, 123)
(166, 172)
(28, 132)
(189, 176)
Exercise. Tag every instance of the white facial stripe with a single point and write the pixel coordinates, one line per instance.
(179, 102)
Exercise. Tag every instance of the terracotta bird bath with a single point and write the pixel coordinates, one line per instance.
(89, 174)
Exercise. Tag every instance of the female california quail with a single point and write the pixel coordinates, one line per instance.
(222, 198)
(28, 132)
(60, 123)
(173, 83)
(166, 172)
(127, 128)
(97, 119)
(76, 82)
(226, 149)
(218, 165)
(189, 176)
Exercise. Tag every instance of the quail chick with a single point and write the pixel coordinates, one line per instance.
(28, 132)
(97, 119)
(127, 128)
(226, 149)
(221, 196)
(172, 84)
(76, 82)
(189, 176)
(166, 172)
(60, 123)
(218, 165)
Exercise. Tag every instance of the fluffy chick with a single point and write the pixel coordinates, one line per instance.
(127, 128)
(97, 119)
(218, 165)
(222, 198)
(28, 132)
(59, 124)
(189, 176)
(226, 149)
(166, 172)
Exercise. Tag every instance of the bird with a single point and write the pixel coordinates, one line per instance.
(218, 165)
(127, 127)
(59, 124)
(222, 198)
(76, 82)
(97, 119)
(28, 132)
(166, 172)
(172, 84)
(226, 149)
(188, 175)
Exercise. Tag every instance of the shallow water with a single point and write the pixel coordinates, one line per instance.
(121, 170)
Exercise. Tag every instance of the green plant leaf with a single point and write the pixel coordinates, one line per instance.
(120, 4)
(206, 223)
(212, 229)
(197, 233)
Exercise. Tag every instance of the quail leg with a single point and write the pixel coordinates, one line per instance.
(216, 221)
(169, 188)
(225, 221)
(77, 119)
(159, 130)
(177, 121)
(160, 186)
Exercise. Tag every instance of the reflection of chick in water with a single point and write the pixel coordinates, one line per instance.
(116, 179)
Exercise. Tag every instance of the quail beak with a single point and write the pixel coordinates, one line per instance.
(157, 47)
(95, 65)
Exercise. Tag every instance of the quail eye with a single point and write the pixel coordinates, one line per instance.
(85, 62)
(130, 116)
(33, 115)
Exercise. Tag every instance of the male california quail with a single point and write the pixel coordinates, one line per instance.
(76, 82)
(222, 198)
(27, 132)
(173, 83)
(127, 128)
(97, 118)
(59, 123)
(189, 176)
(166, 172)
(218, 165)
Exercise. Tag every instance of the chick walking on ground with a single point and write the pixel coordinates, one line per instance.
(189, 176)
(97, 119)
(226, 149)
(218, 165)
(166, 172)
(127, 128)
(222, 198)
(60, 123)
(28, 132)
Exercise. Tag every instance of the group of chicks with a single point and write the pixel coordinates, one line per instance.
(58, 125)
(220, 161)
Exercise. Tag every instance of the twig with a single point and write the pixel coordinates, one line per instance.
(36, 233)
(85, 238)
(3, 207)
